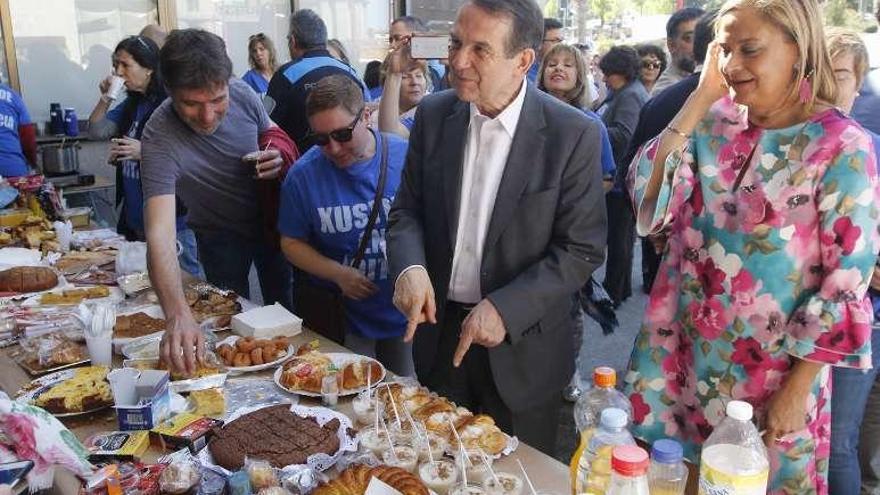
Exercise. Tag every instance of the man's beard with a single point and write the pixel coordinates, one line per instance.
(687, 64)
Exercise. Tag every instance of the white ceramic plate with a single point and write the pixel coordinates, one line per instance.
(339, 359)
(237, 370)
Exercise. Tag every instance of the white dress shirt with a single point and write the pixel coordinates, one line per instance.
(485, 157)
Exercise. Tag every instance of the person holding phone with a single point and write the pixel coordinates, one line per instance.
(135, 63)
(402, 30)
(408, 80)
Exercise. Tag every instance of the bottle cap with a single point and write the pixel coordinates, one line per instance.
(666, 451)
(739, 410)
(604, 376)
(629, 460)
(613, 417)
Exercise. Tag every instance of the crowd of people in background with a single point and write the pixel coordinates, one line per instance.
(453, 234)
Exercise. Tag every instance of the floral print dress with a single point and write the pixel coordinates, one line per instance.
(754, 276)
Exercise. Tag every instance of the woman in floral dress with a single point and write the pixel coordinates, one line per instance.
(768, 195)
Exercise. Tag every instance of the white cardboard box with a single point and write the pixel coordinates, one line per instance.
(267, 322)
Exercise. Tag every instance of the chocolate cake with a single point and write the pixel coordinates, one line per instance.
(273, 434)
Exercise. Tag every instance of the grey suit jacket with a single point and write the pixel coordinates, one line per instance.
(546, 236)
(621, 116)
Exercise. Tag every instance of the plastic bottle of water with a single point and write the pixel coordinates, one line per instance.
(734, 460)
(588, 408)
(629, 474)
(667, 474)
(594, 463)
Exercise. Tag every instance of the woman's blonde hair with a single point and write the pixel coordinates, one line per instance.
(579, 95)
(842, 41)
(267, 44)
(801, 20)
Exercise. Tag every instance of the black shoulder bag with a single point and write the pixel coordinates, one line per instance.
(321, 308)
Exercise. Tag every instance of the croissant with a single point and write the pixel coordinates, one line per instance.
(439, 404)
(354, 481)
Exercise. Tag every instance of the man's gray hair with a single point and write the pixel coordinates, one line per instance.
(308, 29)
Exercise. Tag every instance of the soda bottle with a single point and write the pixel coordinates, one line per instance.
(667, 474)
(629, 475)
(588, 408)
(734, 460)
(594, 463)
(603, 395)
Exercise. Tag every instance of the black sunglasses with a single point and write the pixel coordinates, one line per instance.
(651, 65)
(343, 135)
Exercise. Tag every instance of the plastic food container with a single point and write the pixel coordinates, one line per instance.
(79, 217)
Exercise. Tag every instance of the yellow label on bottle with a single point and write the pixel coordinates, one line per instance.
(716, 482)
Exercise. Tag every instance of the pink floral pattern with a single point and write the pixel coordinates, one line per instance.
(752, 279)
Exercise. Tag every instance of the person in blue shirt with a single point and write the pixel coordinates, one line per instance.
(262, 59)
(563, 74)
(18, 148)
(553, 36)
(136, 60)
(326, 201)
(373, 79)
(310, 62)
(405, 84)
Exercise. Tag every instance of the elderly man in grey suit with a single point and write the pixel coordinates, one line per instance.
(499, 219)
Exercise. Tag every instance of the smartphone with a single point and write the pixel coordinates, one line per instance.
(429, 46)
(12, 472)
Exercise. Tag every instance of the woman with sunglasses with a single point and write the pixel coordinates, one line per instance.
(263, 61)
(136, 61)
(326, 202)
(653, 64)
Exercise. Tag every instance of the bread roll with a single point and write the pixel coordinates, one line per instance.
(27, 279)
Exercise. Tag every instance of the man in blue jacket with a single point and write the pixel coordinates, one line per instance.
(310, 62)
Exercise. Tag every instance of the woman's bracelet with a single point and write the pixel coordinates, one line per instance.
(677, 132)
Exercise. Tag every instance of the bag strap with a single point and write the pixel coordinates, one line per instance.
(377, 204)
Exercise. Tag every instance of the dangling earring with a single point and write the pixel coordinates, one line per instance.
(805, 91)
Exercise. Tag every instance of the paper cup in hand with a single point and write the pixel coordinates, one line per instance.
(122, 383)
(117, 86)
(100, 349)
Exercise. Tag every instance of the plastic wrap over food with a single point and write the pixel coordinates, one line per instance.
(251, 392)
(301, 479)
(180, 476)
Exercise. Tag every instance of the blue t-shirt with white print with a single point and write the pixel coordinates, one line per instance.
(328, 207)
(133, 195)
(13, 114)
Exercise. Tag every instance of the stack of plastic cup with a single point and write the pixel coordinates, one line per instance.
(99, 335)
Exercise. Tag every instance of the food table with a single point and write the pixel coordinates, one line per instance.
(547, 474)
